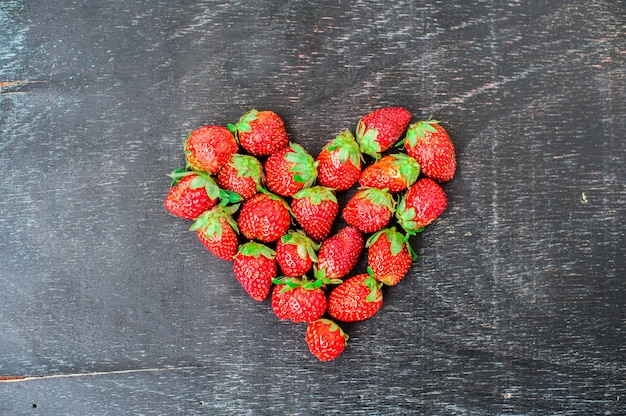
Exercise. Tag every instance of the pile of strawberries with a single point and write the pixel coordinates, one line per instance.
(262, 202)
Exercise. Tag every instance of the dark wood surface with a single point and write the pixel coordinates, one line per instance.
(110, 306)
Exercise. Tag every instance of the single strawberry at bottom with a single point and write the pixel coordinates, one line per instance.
(325, 339)
(254, 267)
(356, 299)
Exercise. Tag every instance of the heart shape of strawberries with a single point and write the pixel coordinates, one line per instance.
(262, 202)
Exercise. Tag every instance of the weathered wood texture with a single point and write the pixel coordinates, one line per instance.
(515, 306)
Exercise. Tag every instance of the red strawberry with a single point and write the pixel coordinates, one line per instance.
(422, 203)
(356, 299)
(208, 148)
(369, 210)
(264, 217)
(298, 300)
(325, 339)
(315, 209)
(217, 230)
(243, 174)
(339, 162)
(395, 172)
(339, 254)
(389, 256)
(295, 253)
(191, 194)
(381, 129)
(431, 146)
(261, 133)
(289, 170)
(254, 268)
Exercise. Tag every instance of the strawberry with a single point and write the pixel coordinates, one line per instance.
(339, 254)
(325, 339)
(381, 129)
(217, 230)
(289, 170)
(208, 148)
(254, 267)
(191, 194)
(243, 174)
(315, 209)
(369, 210)
(264, 217)
(339, 162)
(389, 256)
(421, 204)
(431, 146)
(295, 253)
(298, 300)
(261, 133)
(395, 172)
(356, 299)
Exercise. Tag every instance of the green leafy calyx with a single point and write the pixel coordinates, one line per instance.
(247, 167)
(379, 197)
(395, 239)
(177, 174)
(306, 248)
(291, 283)
(409, 167)
(374, 286)
(405, 216)
(316, 194)
(211, 222)
(320, 274)
(243, 125)
(304, 167)
(419, 130)
(367, 139)
(204, 180)
(254, 249)
(348, 148)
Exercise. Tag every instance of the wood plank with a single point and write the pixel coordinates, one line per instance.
(109, 305)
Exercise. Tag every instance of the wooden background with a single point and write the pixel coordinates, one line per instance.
(108, 305)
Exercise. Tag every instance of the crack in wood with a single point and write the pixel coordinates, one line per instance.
(14, 86)
(19, 379)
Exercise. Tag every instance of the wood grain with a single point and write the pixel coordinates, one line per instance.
(110, 306)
